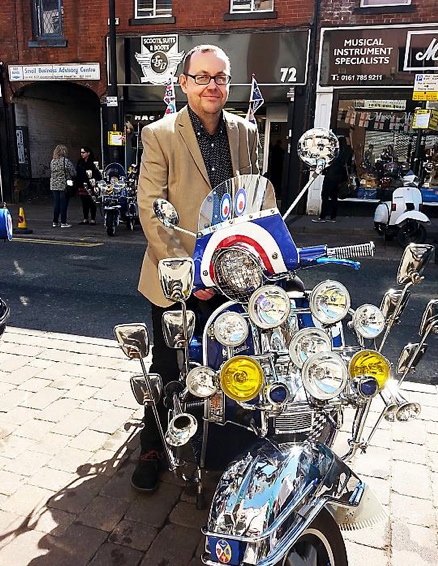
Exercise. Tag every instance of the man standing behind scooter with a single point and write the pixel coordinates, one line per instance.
(185, 155)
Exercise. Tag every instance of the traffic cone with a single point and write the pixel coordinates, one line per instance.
(21, 223)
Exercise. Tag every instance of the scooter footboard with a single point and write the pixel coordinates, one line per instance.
(269, 496)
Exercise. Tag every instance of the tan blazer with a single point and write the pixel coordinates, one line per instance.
(172, 167)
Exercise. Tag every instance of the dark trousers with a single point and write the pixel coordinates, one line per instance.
(165, 363)
(329, 198)
(88, 207)
(60, 204)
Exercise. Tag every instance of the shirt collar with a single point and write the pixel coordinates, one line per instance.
(199, 128)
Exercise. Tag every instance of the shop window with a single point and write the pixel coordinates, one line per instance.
(153, 8)
(245, 6)
(382, 3)
(47, 19)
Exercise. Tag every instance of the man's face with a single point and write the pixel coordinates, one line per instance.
(206, 100)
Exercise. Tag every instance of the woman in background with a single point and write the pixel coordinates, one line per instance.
(61, 171)
(86, 170)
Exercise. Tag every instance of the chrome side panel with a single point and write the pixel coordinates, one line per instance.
(267, 498)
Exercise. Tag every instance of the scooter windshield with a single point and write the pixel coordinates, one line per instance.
(236, 198)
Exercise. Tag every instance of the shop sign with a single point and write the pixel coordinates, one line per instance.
(421, 51)
(381, 104)
(370, 56)
(61, 72)
(276, 58)
(158, 58)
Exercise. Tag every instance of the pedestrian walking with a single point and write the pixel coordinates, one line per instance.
(87, 174)
(62, 173)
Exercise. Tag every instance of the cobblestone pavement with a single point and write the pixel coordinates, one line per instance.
(69, 440)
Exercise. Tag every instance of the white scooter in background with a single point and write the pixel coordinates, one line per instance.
(401, 217)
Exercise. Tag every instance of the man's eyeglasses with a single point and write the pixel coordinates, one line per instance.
(204, 80)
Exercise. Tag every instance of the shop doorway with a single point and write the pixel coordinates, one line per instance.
(275, 146)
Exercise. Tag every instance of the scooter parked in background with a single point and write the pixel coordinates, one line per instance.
(117, 194)
(399, 212)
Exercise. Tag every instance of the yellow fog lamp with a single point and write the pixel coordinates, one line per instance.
(370, 363)
(241, 378)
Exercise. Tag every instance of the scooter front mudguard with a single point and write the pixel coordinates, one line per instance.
(269, 496)
(412, 215)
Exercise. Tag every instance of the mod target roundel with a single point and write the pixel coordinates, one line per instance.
(225, 207)
(240, 202)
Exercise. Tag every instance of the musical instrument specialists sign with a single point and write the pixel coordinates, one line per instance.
(377, 56)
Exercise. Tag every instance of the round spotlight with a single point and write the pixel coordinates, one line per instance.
(306, 342)
(277, 393)
(201, 382)
(324, 375)
(230, 329)
(241, 378)
(370, 363)
(269, 306)
(329, 302)
(368, 321)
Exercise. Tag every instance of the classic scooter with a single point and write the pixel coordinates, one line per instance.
(401, 216)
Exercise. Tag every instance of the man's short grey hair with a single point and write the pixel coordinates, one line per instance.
(204, 49)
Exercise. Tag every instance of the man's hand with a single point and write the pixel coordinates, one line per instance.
(204, 294)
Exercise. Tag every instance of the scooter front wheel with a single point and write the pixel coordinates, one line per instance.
(411, 233)
(320, 543)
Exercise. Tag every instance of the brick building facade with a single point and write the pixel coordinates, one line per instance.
(283, 42)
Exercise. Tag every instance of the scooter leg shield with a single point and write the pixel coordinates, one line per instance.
(268, 496)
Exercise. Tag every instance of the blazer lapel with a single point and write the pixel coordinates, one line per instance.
(233, 141)
(185, 129)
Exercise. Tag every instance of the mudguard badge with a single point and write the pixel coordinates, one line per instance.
(223, 551)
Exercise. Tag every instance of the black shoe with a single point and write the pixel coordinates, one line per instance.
(147, 471)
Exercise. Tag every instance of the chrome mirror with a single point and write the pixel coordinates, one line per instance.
(410, 357)
(176, 277)
(140, 390)
(412, 263)
(133, 339)
(166, 213)
(317, 148)
(173, 328)
(429, 321)
(394, 302)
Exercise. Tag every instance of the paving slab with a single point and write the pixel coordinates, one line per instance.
(69, 439)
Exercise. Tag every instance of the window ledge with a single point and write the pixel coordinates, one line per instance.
(152, 21)
(384, 9)
(58, 42)
(251, 16)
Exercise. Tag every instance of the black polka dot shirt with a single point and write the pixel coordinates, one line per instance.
(215, 150)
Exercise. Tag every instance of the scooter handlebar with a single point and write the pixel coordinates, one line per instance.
(359, 250)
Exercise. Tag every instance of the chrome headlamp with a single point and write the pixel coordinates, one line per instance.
(237, 273)
(269, 306)
(306, 342)
(201, 382)
(368, 321)
(230, 329)
(324, 375)
(329, 302)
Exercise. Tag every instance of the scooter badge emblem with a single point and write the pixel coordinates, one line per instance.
(223, 551)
